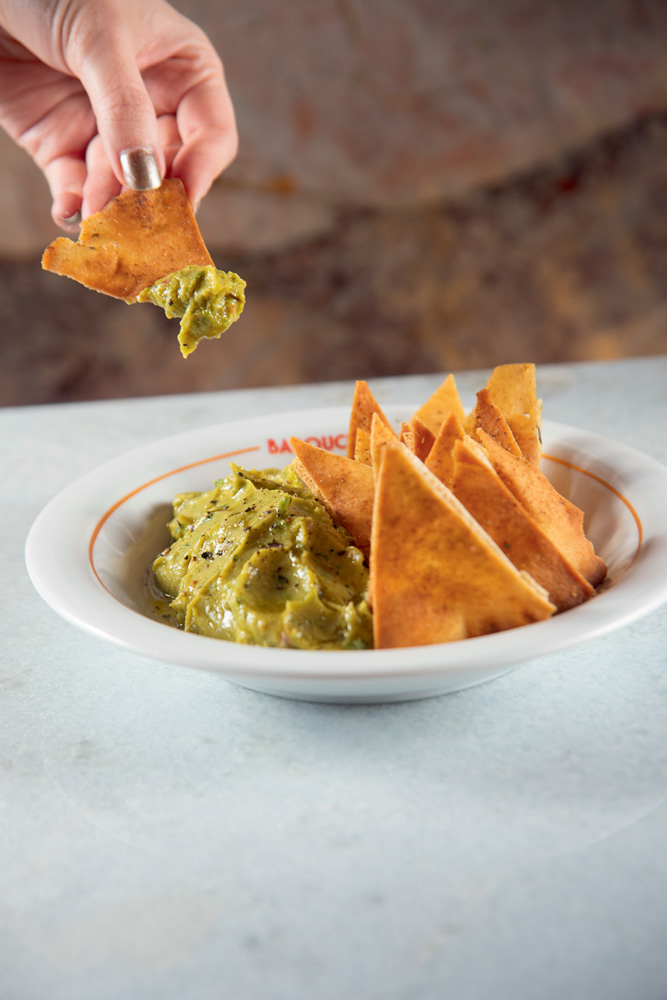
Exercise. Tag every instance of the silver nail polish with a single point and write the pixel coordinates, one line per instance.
(140, 168)
(72, 220)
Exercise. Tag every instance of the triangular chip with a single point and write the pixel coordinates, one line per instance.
(422, 438)
(362, 447)
(435, 573)
(440, 458)
(381, 436)
(364, 405)
(407, 437)
(136, 239)
(440, 404)
(487, 416)
(482, 492)
(512, 389)
(344, 487)
(560, 520)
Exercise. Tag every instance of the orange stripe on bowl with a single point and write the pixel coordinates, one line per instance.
(612, 489)
(165, 475)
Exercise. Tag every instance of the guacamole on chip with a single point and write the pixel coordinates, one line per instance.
(206, 300)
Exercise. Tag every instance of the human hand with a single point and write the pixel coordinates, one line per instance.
(82, 81)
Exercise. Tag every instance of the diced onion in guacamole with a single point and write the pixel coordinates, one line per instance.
(207, 301)
(258, 560)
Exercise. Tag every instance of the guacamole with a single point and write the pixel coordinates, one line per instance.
(258, 560)
(207, 301)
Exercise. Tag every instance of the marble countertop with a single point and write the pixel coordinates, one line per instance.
(166, 834)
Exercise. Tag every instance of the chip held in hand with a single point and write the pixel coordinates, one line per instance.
(145, 246)
(136, 239)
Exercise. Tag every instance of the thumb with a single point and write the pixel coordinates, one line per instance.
(124, 112)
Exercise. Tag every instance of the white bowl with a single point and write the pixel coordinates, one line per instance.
(88, 551)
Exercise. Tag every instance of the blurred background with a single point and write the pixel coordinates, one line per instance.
(422, 186)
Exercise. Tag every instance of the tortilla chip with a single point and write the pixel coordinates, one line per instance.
(483, 493)
(344, 487)
(364, 405)
(490, 419)
(362, 447)
(435, 574)
(440, 404)
(560, 520)
(440, 458)
(136, 239)
(513, 391)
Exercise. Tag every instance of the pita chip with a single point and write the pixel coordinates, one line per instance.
(490, 419)
(440, 404)
(364, 405)
(435, 574)
(512, 390)
(440, 459)
(559, 519)
(344, 487)
(407, 437)
(422, 438)
(381, 436)
(136, 239)
(482, 492)
(362, 447)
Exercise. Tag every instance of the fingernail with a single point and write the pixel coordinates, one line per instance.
(71, 221)
(140, 168)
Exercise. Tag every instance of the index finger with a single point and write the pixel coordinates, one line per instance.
(207, 125)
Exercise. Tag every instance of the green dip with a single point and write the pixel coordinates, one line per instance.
(258, 560)
(207, 301)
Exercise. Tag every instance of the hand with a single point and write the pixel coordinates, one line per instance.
(82, 81)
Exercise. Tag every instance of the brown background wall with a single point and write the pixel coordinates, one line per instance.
(421, 186)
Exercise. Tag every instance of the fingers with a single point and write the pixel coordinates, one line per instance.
(101, 183)
(207, 127)
(126, 119)
(193, 165)
(66, 176)
(126, 122)
(82, 187)
(185, 79)
(170, 140)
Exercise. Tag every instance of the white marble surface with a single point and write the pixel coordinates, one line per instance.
(164, 834)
